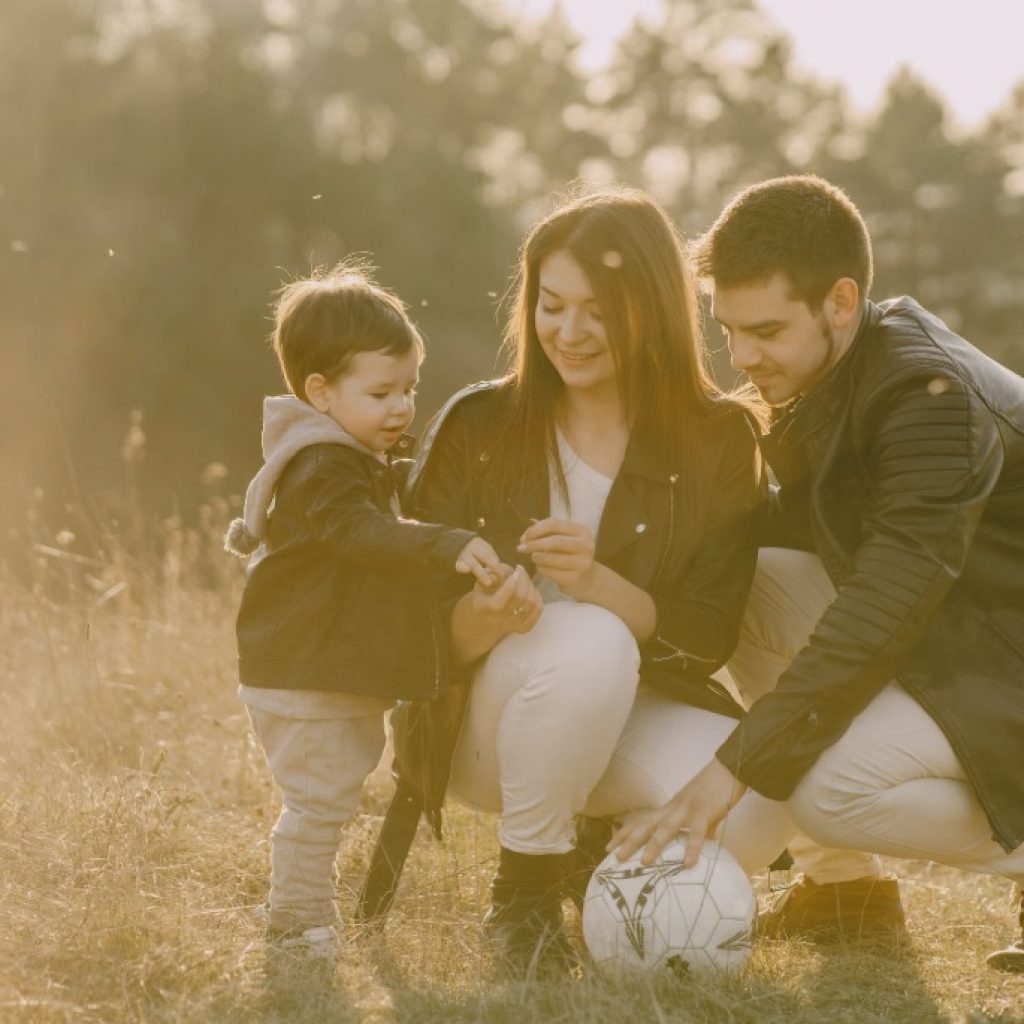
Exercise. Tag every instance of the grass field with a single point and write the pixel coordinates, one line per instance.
(134, 812)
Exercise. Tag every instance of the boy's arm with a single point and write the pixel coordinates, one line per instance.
(342, 514)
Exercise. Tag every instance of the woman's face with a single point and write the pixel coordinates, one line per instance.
(570, 328)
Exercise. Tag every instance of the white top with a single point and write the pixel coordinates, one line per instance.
(588, 492)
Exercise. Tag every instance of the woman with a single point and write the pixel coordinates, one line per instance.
(621, 484)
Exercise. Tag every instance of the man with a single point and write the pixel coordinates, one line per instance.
(896, 589)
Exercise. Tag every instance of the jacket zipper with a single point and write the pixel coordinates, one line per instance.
(437, 656)
(393, 499)
(677, 652)
(671, 527)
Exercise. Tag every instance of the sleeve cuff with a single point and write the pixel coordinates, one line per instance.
(769, 780)
(448, 546)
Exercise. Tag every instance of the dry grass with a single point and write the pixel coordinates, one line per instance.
(134, 811)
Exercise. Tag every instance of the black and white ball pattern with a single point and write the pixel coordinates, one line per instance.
(698, 919)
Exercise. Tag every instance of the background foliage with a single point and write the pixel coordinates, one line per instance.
(165, 164)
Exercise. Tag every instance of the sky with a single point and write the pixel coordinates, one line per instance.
(971, 53)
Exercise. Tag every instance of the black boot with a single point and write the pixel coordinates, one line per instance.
(1011, 959)
(592, 835)
(524, 924)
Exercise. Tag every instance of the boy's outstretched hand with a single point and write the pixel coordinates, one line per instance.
(480, 559)
(697, 809)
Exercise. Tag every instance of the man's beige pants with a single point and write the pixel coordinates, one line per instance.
(557, 726)
(892, 784)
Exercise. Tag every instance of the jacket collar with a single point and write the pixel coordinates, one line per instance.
(648, 460)
(625, 518)
(434, 426)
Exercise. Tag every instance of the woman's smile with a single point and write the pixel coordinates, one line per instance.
(569, 324)
(576, 357)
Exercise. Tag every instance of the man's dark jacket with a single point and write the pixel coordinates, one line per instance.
(904, 470)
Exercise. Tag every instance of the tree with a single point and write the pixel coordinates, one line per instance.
(706, 102)
(943, 227)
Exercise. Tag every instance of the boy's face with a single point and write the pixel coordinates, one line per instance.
(374, 399)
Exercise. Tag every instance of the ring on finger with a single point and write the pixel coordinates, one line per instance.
(518, 610)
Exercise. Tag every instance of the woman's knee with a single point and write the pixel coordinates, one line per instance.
(596, 655)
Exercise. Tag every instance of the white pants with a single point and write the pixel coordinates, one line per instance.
(892, 784)
(556, 727)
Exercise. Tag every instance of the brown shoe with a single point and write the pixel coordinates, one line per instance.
(850, 910)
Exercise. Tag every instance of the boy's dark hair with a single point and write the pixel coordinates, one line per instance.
(801, 226)
(321, 321)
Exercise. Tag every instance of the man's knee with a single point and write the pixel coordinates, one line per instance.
(832, 799)
(789, 595)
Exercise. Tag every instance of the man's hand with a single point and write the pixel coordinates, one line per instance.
(697, 809)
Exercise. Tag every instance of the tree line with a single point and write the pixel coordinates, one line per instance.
(165, 166)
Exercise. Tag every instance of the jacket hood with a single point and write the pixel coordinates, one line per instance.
(289, 425)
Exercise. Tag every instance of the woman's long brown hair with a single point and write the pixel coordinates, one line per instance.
(634, 259)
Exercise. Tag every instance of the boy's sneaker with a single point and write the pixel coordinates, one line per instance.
(318, 943)
(1011, 959)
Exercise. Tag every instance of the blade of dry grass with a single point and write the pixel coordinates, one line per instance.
(134, 812)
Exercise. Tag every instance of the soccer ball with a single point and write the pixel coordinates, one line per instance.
(698, 920)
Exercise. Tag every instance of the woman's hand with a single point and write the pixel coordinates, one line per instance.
(696, 809)
(510, 604)
(480, 559)
(564, 552)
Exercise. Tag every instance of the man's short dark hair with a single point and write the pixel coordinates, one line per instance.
(800, 226)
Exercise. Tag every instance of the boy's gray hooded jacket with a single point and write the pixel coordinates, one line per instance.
(341, 593)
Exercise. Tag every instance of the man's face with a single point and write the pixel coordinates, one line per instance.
(782, 345)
